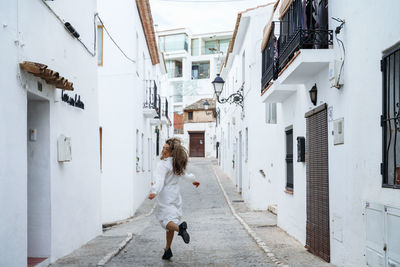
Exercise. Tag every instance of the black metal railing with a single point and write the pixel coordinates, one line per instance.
(269, 60)
(164, 107)
(158, 107)
(152, 100)
(304, 26)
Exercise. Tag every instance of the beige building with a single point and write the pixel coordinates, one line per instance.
(199, 128)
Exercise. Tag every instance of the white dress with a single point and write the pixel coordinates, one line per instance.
(166, 187)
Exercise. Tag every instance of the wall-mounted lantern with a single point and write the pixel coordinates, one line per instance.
(313, 94)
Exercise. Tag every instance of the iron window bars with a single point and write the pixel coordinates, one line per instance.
(390, 119)
(152, 99)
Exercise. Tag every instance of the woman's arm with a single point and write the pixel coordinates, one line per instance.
(159, 178)
(191, 178)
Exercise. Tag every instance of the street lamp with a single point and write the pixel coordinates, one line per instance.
(236, 98)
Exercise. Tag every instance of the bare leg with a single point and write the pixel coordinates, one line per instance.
(172, 227)
(170, 236)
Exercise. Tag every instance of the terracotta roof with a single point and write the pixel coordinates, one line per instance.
(199, 105)
(148, 28)
(50, 76)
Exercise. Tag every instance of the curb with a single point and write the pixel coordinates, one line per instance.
(110, 255)
(129, 237)
(255, 237)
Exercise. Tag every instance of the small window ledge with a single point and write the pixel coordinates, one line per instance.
(289, 191)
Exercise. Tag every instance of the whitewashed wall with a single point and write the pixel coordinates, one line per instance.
(258, 191)
(74, 190)
(122, 93)
(354, 167)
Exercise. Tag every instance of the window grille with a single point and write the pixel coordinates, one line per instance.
(289, 158)
(390, 120)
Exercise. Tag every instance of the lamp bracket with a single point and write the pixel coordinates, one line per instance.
(236, 97)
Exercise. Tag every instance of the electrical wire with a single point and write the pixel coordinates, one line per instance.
(340, 44)
(93, 54)
(112, 39)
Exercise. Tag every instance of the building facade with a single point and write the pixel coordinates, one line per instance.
(134, 119)
(326, 136)
(49, 180)
(199, 124)
(192, 61)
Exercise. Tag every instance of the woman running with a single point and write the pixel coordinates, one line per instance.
(170, 169)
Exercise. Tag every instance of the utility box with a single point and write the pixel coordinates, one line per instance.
(301, 149)
(64, 149)
(336, 72)
(338, 131)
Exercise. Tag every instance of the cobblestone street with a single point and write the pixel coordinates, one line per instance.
(217, 237)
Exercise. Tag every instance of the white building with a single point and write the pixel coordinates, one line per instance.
(50, 190)
(134, 117)
(319, 162)
(192, 61)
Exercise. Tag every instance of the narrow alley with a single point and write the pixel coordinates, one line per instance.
(217, 237)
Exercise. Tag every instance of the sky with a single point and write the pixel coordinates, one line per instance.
(200, 16)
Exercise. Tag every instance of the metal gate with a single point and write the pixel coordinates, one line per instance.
(317, 238)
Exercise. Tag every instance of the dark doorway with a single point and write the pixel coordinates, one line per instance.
(196, 144)
(317, 237)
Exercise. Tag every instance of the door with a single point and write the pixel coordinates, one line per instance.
(240, 164)
(196, 144)
(38, 178)
(317, 236)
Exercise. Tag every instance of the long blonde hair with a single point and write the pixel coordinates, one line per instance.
(179, 155)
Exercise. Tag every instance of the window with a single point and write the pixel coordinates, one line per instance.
(100, 45)
(244, 67)
(247, 145)
(142, 160)
(174, 68)
(216, 46)
(270, 113)
(137, 152)
(289, 158)
(175, 42)
(101, 148)
(195, 47)
(190, 115)
(200, 70)
(390, 169)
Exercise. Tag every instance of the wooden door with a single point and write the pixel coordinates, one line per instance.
(317, 237)
(196, 144)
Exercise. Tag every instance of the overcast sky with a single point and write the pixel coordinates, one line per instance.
(199, 16)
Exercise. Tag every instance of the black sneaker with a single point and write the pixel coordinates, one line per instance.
(183, 233)
(167, 254)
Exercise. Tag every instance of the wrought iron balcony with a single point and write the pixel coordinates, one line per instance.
(269, 60)
(303, 27)
(151, 104)
(165, 107)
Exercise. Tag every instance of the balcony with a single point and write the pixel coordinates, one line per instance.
(304, 27)
(300, 52)
(164, 111)
(151, 104)
(269, 59)
(277, 93)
